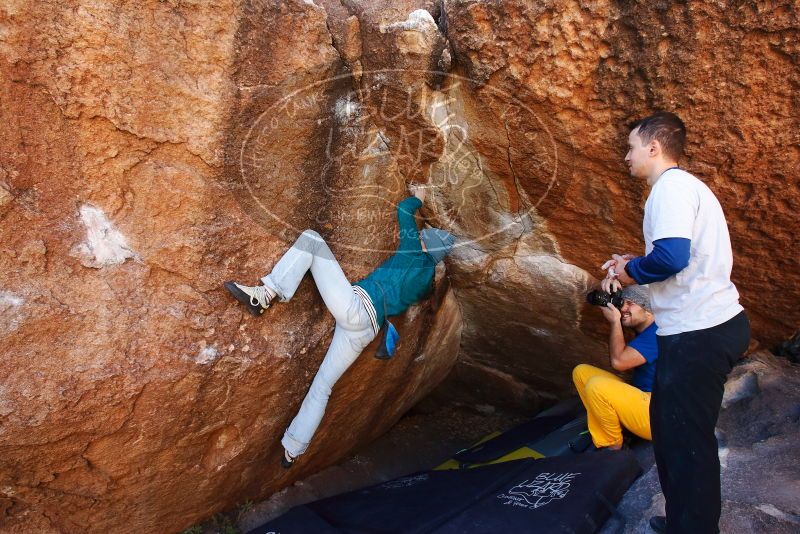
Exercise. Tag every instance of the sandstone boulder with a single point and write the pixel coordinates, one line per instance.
(135, 395)
(153, 150)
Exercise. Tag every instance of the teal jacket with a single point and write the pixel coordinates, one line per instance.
(407, 276)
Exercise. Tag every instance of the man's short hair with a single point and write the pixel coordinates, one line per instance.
(666, 128)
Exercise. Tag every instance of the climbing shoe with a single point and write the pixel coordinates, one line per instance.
(288, 460)
(257, 299)
(659, 524)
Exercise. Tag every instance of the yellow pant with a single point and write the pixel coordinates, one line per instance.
(609, 402)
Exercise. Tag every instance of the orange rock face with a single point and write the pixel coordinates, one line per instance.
(153, 150)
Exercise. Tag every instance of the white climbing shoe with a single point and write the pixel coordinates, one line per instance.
(257, 299)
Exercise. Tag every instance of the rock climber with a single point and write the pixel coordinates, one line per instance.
(360, 309)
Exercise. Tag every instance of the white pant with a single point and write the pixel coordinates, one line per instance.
(353, 331)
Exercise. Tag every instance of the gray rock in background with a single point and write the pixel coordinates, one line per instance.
(758, 431)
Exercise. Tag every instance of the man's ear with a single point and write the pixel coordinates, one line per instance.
(654, 148)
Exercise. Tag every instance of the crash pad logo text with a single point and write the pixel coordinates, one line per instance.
(405, 481)
(541, 490)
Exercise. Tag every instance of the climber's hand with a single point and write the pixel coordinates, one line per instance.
(417, 190)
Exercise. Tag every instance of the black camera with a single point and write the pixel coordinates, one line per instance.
(599, 297)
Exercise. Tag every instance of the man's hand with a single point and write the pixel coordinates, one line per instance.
(611, 313)
(617, 277)
(622, 275)
(417, 190)
(609, 284)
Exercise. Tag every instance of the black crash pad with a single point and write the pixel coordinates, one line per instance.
(560, 494)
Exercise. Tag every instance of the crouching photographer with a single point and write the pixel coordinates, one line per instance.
(610, 402)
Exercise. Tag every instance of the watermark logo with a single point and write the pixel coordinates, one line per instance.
(339, 154)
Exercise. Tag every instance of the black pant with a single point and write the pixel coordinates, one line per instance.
(690, 379)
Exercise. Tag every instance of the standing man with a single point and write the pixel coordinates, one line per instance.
(702, 328)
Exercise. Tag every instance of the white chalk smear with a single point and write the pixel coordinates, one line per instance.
(11, 314)
(104, 245)
(346, 108)
(9, 300)
(206, 355)
(418, 20)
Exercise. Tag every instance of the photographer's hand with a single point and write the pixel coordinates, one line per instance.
(610, 283)
(611, 313)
